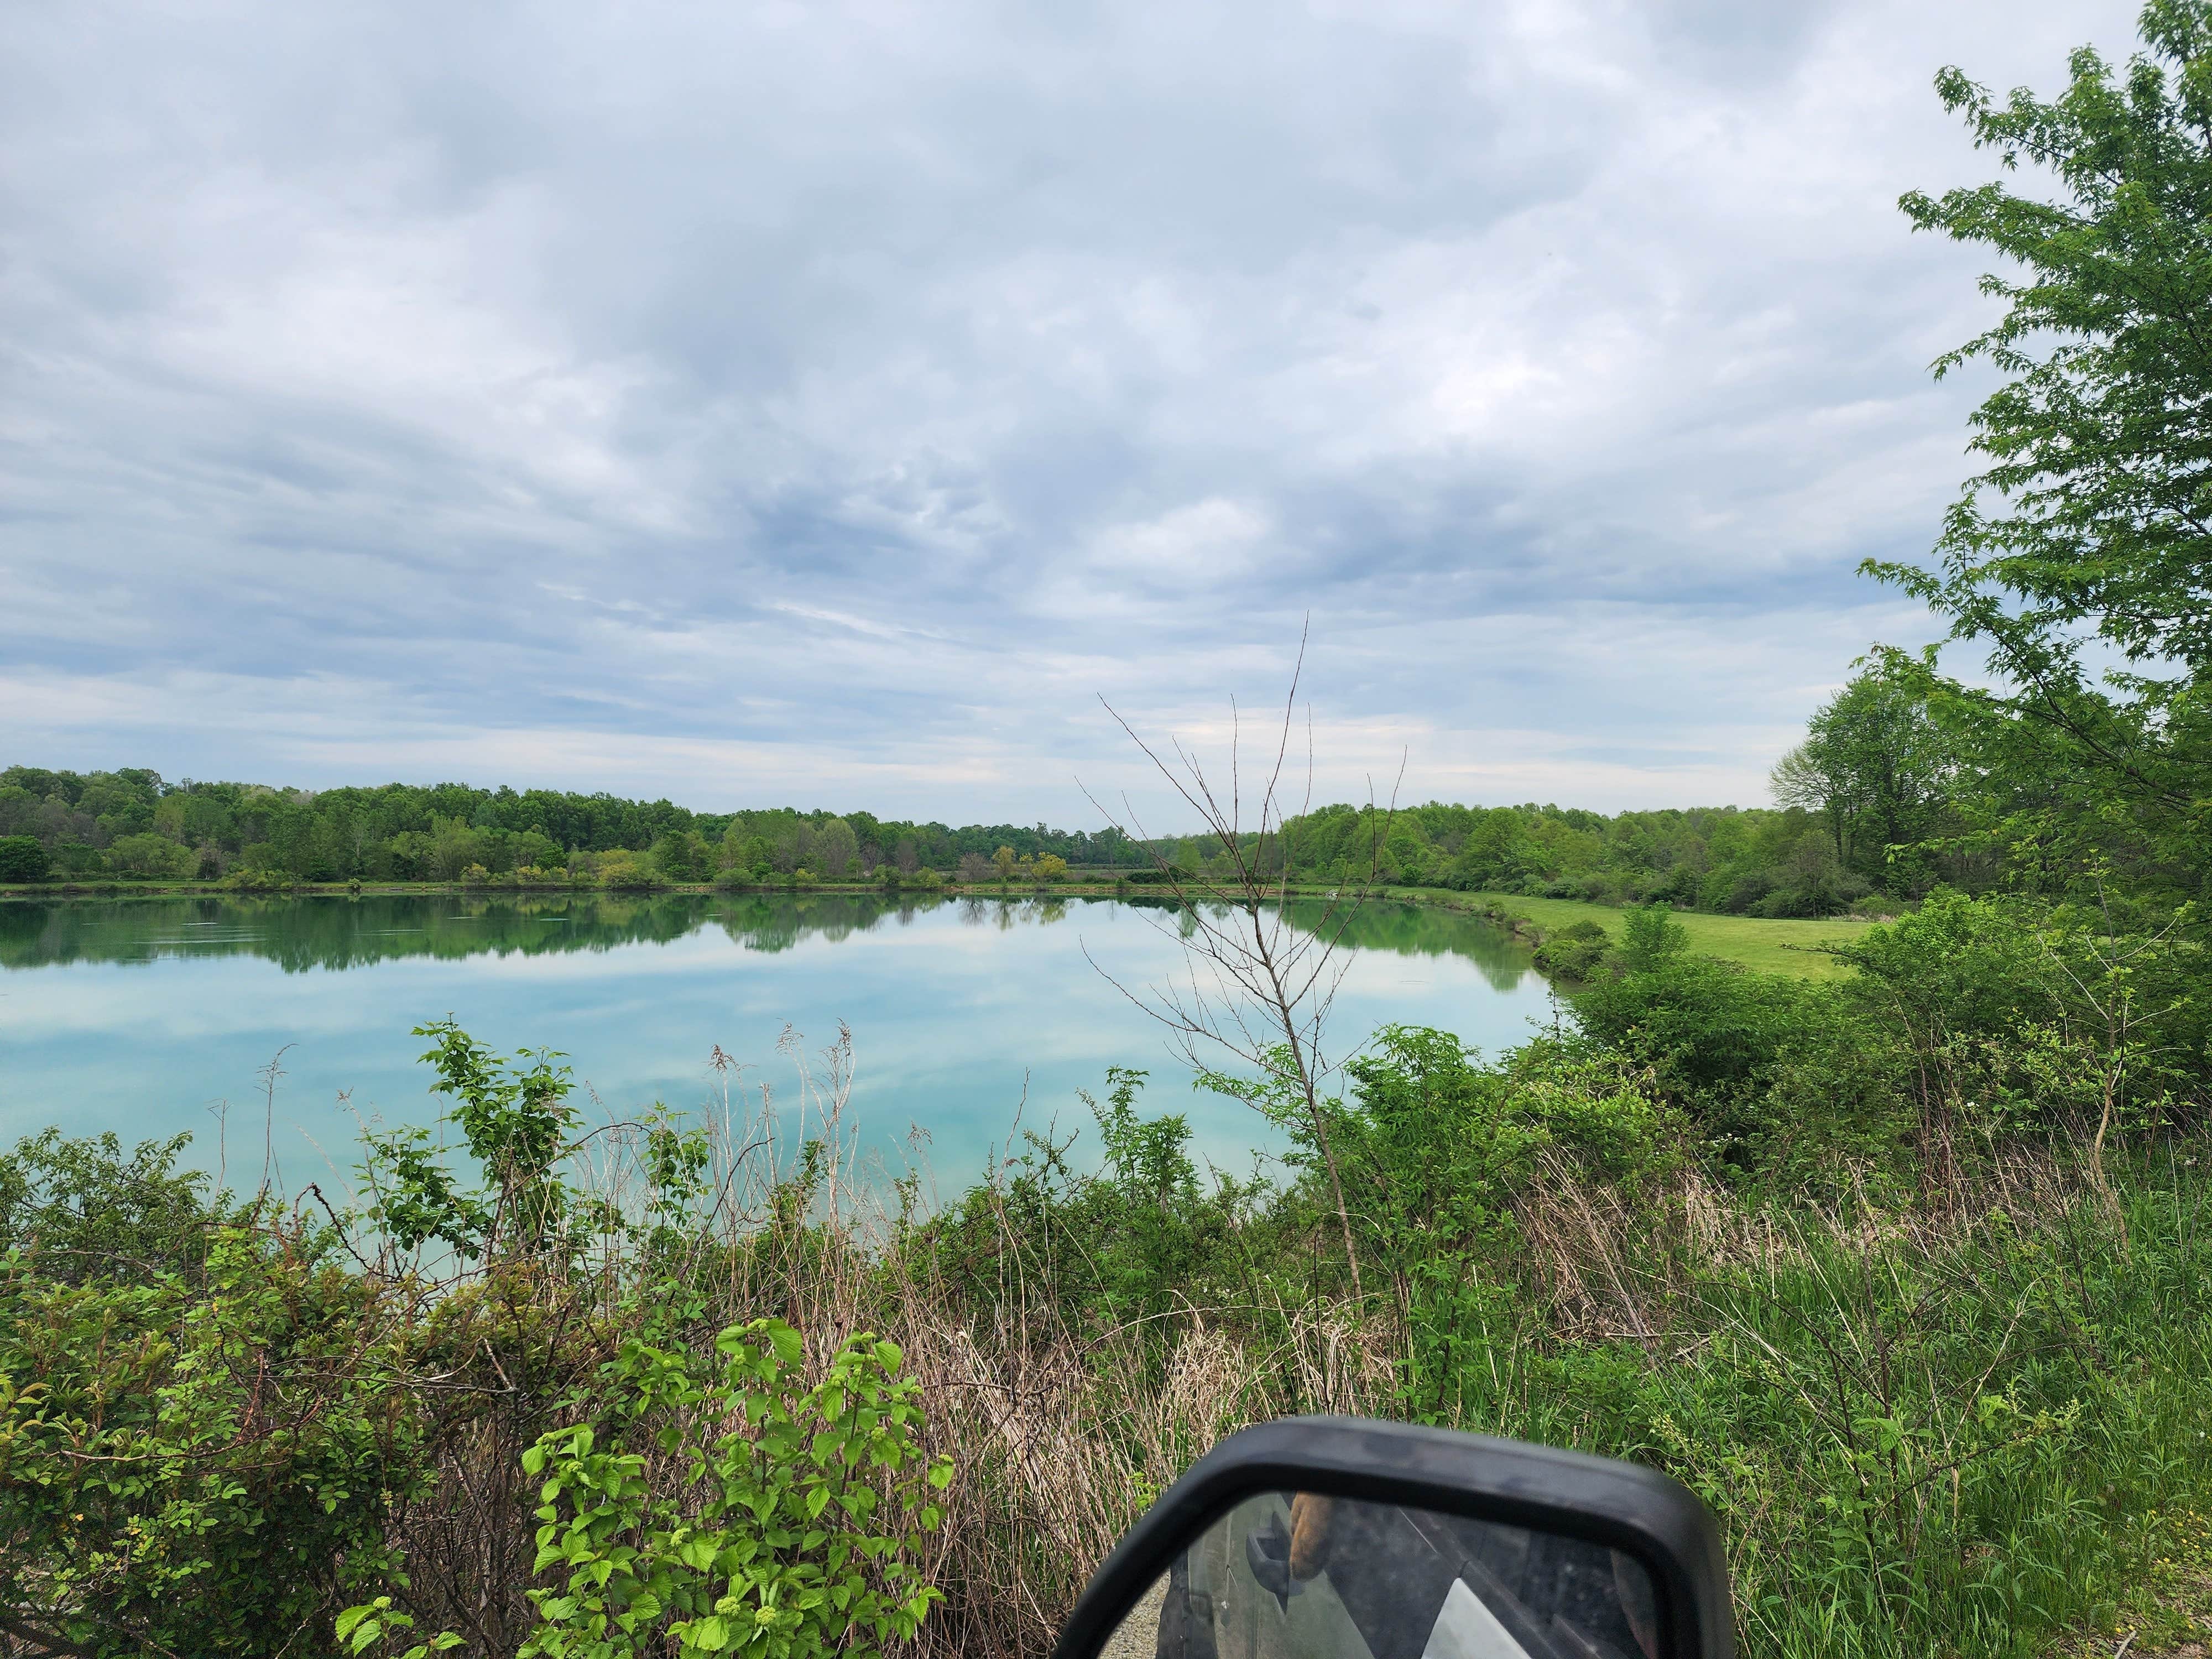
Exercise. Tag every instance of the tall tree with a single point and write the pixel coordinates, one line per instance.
(1873, 765)
(2082, 556)
(836, 847)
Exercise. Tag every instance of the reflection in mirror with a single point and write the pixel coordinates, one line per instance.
(1297, 1575)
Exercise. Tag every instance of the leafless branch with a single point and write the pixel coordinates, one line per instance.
(1257, 987)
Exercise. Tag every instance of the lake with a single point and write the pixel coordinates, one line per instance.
(151, 1017)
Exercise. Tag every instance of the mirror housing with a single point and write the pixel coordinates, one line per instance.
(1646, 1516)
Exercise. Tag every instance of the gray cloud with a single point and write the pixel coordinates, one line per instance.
(826, 403)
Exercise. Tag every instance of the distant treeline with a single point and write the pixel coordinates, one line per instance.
(1757, 862)
(1873, 813)
(1906, 783)
(133, 823)
(1843, 841)
(1902, 785)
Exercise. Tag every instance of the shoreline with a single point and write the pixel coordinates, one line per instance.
(1785, 945)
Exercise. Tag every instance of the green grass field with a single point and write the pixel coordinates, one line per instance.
(1771, 947)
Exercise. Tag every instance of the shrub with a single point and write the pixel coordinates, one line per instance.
(789, 1529)
(151, 857)
(1713, 1033)
(23, 858)
(85, 1209)
(624, 870)
(192, 1468)
(2002, 1013)
(1574, 952)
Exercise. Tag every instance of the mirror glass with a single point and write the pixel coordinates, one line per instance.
(1298, 1576)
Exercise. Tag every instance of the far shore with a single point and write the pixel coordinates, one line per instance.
(1776, 945)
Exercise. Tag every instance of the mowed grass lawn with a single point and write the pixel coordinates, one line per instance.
(1773, 947)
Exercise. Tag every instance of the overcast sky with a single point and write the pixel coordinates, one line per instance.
(826, 404)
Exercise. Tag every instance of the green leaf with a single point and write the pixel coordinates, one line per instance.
(351, 1617)
(790, 1348)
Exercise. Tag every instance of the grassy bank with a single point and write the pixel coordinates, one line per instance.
(1768, 946)
(1795, 948)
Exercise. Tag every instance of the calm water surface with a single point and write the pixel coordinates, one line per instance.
(151, 1017)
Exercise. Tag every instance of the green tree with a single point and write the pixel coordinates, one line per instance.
(684, 856)
(453, 847)
(23, 858)
(534, 849)
(835, 849)
(2087, 542)
(1874, 766)
(152, 856)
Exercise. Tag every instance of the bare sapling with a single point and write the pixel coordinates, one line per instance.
(1255, 990)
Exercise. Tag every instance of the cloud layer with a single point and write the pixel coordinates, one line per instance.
(828, 403)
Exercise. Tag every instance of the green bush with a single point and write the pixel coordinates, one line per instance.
(151, 857)
(1714, 1036)
(1574, 952)
(23, 859)
(193, 1465)
(1136, 1239)
(790, 1529)
(84, 1210)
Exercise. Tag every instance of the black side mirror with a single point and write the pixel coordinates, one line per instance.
(1338, 1537)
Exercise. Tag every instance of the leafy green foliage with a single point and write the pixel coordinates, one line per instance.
(23, 858)
(1574, 952)
(515, 1120)
(381, 1625)
(84, 1209)
(1712, 1036)
(1878, 768)
(1139, 1237)
(2090, 535)
(794, 1528)
(2013, 1017)
(192, 1466)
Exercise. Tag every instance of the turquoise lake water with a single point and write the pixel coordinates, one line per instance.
(154, 1016)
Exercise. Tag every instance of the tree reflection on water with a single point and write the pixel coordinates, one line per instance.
(337, 932)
